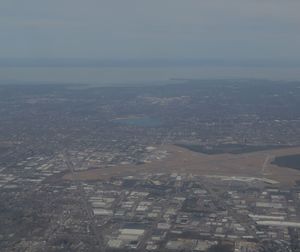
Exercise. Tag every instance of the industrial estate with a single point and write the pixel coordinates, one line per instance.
(192, 166)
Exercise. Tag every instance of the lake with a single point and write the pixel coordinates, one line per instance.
(139, 121)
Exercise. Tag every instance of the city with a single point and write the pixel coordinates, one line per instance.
(150, 169)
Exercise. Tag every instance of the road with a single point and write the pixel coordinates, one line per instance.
(98, 234)
(265, 164)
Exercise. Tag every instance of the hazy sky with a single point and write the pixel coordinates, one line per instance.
(122, 29)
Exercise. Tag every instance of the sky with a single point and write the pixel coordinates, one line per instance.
(151, 29)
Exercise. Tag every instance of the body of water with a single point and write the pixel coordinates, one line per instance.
(290, 161)
(135, 75)
(139, 121)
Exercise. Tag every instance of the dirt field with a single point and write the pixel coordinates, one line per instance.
(256, 164)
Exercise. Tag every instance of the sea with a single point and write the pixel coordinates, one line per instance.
(106, 76)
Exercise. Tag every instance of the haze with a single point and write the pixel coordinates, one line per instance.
(156, 29)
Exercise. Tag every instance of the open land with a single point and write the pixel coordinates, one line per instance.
(185, 161)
